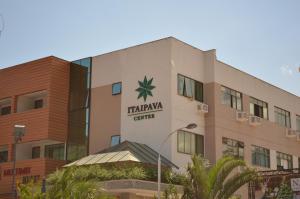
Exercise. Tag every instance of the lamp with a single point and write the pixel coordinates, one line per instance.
(19, 132)
(189, 126)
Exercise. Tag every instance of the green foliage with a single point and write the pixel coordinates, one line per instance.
(170, 192)
(284, 192)
(219, 182)
(82, 182)
(30, 191)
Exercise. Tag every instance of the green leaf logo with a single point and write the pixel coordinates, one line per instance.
(145, 88)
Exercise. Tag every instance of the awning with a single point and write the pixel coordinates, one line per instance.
(126, 151)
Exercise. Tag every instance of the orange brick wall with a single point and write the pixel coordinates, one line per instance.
(48, 123)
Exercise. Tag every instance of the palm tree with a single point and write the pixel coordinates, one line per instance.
(72, 182)
(219, 181)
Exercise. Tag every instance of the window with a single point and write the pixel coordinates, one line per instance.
(189, 88)
(298, 123)
(117, 88)
(55, 151)
(31, 101)
(5, 106)
(233, 148)
(284, 161)
(282, 117)
(36, 151)
(231, 98)
(3, 153)
(38, 103)
(115, 140)
(258, 108)
(190, 143)
(5, 110)
(260, 156)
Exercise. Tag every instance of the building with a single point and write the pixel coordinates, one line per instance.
(146, 92)
(34, 94)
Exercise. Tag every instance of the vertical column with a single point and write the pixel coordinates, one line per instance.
(295, 162)
(273, 159)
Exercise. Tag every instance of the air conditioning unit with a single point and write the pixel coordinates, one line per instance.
(254, 120)
(241, 116)
(203, 108)
(290, 133)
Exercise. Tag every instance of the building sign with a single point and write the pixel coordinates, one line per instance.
(19, 171)
(147, 110)
(295, 184)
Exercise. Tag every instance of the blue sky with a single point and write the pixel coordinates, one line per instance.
(259, 37)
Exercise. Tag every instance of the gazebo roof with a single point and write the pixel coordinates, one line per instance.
(123, 152)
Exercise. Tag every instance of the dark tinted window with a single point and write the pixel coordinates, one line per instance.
(6, 110)
(3, 153)
(36, 151)
(38, 103)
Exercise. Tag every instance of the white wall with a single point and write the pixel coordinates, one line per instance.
(192, 63)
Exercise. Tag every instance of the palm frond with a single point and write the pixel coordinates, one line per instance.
(237, 181)
(223, 172)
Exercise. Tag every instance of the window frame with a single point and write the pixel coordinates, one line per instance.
(282, 155)
(111, 139)
(3, 108)
(223, 93)
(260, 106)
(4, 149)
(267, 155)
(112, 88)
(298, 123)
(54, 146)
(33, 152)
(198, 151)
(239, 143)
(4, 105)
(37, 102)
(282, 112)
(195, 82)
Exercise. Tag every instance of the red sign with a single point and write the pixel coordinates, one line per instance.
(19, 171)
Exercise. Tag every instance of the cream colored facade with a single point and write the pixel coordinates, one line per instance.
(163, 60)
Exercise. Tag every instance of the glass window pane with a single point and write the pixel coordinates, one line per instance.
(200, 144)
(233, 99)
(298, 122)
(187, 143)
(117, 88)
(3, 153)
(265, 112)
(36, 152)
(55, 151)
(189, 86)
(198, 91)
(5, 110)
(180, 84)
(180, 141)
(260, 156)
(193, 144)
(115, 140)
(239, 104)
